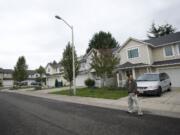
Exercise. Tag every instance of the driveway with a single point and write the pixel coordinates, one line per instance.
(27, 115)
(168, 102)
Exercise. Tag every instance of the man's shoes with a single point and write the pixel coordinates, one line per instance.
(140, 113)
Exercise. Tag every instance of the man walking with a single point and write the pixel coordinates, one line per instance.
(131, 86)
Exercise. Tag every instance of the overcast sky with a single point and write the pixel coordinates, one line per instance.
(28, 27)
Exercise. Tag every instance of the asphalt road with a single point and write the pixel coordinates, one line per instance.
(26, 115)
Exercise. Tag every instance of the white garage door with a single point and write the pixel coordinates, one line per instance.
(80, 79)
(174, 75)
(7, 83)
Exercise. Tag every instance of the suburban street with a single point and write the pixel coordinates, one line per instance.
(27, 115)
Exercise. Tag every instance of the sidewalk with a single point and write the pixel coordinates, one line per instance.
(166, 105)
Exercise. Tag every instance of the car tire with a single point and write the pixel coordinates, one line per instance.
(169, 89)
(159, 92)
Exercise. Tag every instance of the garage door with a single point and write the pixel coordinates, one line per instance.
(7, 83)
(80, 79)
(174, 75)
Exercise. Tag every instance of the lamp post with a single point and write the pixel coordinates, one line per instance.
(73, 61)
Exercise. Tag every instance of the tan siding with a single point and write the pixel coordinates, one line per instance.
(150, 54)
(158, 54)
(143, 51)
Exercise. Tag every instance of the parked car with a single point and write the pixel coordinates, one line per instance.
(23, 83)
(153, 83)
(35, 83)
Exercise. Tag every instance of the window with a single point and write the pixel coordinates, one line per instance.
(148, 77)
(168, 51)
(178, 49)
(163, 76)
(133, 53)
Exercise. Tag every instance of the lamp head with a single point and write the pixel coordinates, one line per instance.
(58, 17)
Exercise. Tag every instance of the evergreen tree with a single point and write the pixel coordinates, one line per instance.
(20, 70)
(158, 31)
(102, 40)
(67, 64)
(41, 71)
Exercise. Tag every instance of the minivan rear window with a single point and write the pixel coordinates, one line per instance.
(148, 77)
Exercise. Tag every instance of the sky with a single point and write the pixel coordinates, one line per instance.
(28, 27)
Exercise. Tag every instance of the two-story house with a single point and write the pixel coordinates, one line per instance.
(32, 76)
(86, 71)
(153, 55)
(1, 76)
(54, 71)
(6, 77)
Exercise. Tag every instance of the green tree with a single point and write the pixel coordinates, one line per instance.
(67, 64)
(102, 40)
(158, 31)
(20, 70)
(103, 62)
(41, 71)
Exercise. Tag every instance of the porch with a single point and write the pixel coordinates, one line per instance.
(135, 69)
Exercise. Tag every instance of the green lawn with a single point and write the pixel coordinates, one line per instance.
(96, 93)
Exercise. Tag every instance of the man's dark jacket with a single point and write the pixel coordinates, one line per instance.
(131, 87)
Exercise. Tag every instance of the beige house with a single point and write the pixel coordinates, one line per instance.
(154, 55)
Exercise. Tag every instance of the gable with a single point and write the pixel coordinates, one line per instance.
(135, 41)
(132, 44)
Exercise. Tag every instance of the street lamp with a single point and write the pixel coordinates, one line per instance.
(73, 62)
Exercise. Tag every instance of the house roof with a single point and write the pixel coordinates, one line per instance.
(31, 72)
(130, 65)
(7, 71)
(156, 42)
(164, 40)
(54, 64)
(10, 71)
(167, 62)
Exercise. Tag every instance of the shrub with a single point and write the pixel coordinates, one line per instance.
(38, 88)
(89, 82)
(56, 83)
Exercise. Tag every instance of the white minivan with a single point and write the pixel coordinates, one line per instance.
(153, 83)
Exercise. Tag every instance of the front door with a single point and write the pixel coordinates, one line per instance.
(129, 71)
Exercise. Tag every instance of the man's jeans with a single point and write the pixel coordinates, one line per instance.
(132, 99)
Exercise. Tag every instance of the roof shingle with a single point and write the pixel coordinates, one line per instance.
(165, 62)
(174, 37)
(130, 65)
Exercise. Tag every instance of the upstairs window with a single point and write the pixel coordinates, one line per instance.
(168, 51)
(178, 49)
(133, 53)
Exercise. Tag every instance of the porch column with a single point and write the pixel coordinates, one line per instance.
(117, 75)
(147, 70)
(134, 73)
(150, 69)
